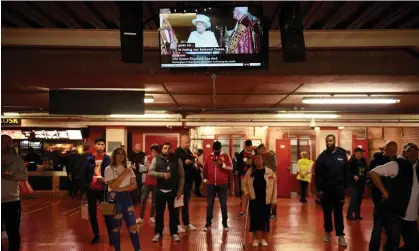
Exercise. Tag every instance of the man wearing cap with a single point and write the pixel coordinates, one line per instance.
(245, 37)
(357, 179)
(401, 196)
(168, 39)
(387, 153)
(244, 162)
(217, 168)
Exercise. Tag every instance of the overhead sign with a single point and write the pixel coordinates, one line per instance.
(10, 121)
(54, 134)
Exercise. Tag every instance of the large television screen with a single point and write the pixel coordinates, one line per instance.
(212, 37)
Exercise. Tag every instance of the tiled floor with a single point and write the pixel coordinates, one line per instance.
(56, 224)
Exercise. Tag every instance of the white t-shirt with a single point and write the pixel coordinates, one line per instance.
(112, 173)
(391, 169)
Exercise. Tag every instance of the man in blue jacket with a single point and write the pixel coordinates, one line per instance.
(93, 185)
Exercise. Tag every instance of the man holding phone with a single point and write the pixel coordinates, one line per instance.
(168, 170)
(217, 168)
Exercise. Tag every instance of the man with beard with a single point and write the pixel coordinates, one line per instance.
(188, 160)
(245, 37)
(401, 196)
(93, 186)
(331, 180)
(388, 154)
(168, 170)
(168, 39)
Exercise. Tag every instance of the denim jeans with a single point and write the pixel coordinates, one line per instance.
(212, 191)
(145, 193)
(124, 209)
(357, 194)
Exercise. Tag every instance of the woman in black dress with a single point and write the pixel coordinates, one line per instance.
(260, 187)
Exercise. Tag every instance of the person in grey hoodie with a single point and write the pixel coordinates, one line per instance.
(13, 171)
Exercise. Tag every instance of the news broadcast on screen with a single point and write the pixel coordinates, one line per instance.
(211, 37)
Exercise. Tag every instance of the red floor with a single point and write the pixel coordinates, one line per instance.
(56, 224)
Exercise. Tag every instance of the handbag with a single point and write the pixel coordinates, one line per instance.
(108, 207)
(25, 187)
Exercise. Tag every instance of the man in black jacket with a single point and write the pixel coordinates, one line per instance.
(186, 156)
(357, 179)
(137, 162)
(331, 180)
(244, 162)
(401, 196)
(388, 154)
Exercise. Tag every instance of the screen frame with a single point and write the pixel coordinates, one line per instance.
(264, 54)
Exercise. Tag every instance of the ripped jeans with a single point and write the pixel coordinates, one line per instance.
(124, 209)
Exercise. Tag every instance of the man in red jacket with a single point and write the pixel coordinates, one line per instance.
(217, 167)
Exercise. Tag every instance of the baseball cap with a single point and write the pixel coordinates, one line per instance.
(410, 146)
(359, 149)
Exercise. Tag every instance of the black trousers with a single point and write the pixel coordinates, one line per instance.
(93, 197)
(410, 234)
(212, 192)
(198, 182)
(333, 200)
(187, 193)
(11, 213)
(136, 194)
(74, 186)
(357, 195)
(303, 190)
(161, 200)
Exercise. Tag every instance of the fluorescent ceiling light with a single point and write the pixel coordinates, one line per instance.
(350, 101)
(307, 116)
(148, 99)
(137, 116)
(11, 114)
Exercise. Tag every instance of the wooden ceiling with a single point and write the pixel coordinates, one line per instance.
(105, 15)
(28, 73)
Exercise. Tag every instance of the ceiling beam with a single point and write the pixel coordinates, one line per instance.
(106, 11)
(344, 12)
(14, 20)
(58, 14)
(410, 23)
(369, 14)
(393, 17)
(310, 18)
(27, 11)
(76, 38)
(84, 13)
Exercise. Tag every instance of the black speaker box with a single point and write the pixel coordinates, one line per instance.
(292, 36)
(131, 32)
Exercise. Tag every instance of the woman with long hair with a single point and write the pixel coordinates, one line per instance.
(121, 181)
(260, 187)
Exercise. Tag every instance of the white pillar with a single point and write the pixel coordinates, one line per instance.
(115, 137)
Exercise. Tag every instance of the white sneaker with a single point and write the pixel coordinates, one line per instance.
(255, 243)
(4, 235)
(176, 237)
(342, 241)
(264, 243)
(180, 229)
(326, 237)
(152, 220)
(139, 221)
(157, 238)
(190, 227)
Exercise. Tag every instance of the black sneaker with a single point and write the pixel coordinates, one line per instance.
(350, 218)
(95, 240)
(358, 218)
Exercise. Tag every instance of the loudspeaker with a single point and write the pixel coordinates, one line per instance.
(292, 37)
(131, 32)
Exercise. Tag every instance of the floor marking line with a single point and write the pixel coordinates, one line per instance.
(77, 212)
(70, 211)
(39, 209)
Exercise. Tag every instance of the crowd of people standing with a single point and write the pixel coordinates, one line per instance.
(168, 176)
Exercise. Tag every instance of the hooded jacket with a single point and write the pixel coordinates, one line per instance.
(331, 169)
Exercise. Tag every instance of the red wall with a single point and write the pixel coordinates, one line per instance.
(137, 133)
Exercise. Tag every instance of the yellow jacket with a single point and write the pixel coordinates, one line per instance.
(271, 187)
(304, 167)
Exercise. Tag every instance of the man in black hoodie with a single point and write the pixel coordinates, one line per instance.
(380, 158)
(331, 180)
(356, 181)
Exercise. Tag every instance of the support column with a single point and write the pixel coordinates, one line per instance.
(116, 137)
